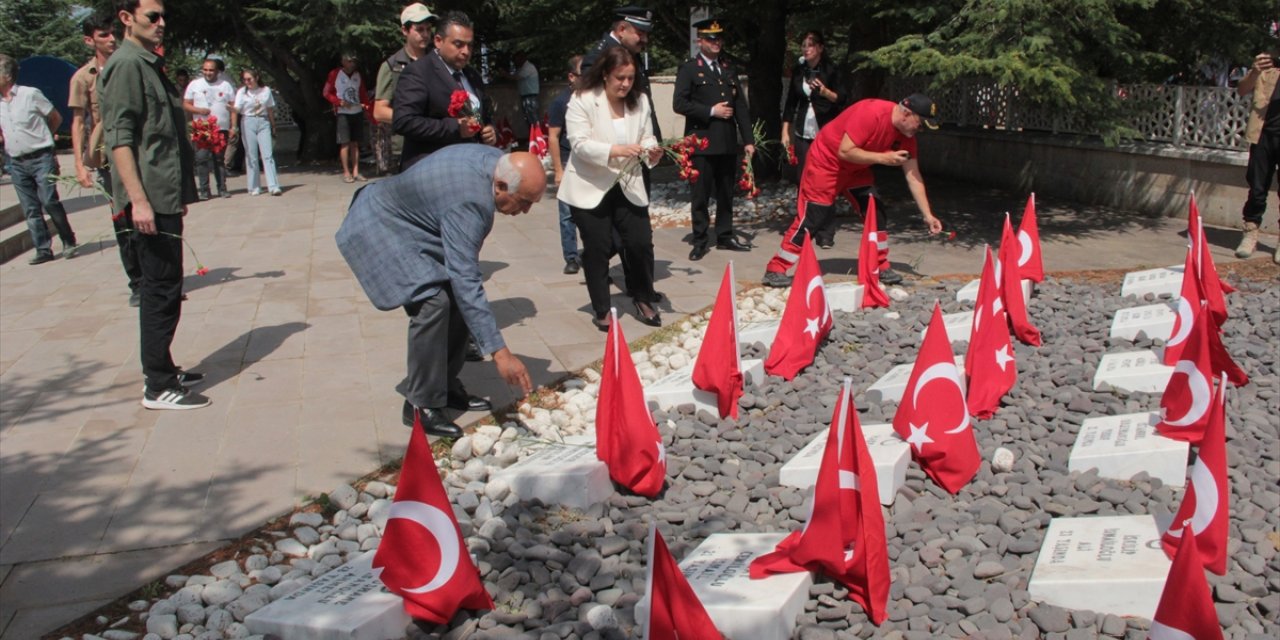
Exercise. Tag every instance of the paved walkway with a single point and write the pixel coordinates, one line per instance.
(99, 496)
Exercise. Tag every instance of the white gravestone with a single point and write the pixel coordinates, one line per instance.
(969, 292)
(890, 386)
(1165, 280)
(1133, 371)
(889, 454)
(1121, 446)
(567, 474)
(959, 326)
(676, 388)
(347, 603)
(753, 332)
(1111, 564)
(742, 608)
(844, 296)
(1155, 320)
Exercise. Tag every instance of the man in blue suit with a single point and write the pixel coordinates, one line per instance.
(413, 241)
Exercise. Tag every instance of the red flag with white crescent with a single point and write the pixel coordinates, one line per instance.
(873, 294)
(937, 426)
(627, 439)
(844, 536)
(719, 365)
(1190, 301)
(422, 557)
(806, 321)
(1187, 398)
(1011, 288)
(1204, 506)
(1030, 264)
(1186, 610)
(538, 140)
(989, 362)
(1210, 283)
(674, 609)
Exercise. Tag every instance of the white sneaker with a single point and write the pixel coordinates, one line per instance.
(177, 398)
(255, 192)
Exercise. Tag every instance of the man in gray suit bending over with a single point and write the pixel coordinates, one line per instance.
(413, 241)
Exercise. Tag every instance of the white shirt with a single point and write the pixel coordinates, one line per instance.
(527, 80)
(24, 121)
(254, 102)
(810, 129)
(215, 97)
(348, 88)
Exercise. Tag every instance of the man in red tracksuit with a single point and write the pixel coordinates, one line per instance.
(869, 132)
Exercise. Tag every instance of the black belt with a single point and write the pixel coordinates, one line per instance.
(33, 154)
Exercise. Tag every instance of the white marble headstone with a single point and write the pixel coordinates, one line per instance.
(347, 603)
(844, 296)
(1165, 280)
(1155, 320)
(1133, 371)
(969, 292)
(568, 474)
(1121, 446)
(890, 386)
(753, 332)
(1110, 564)
(959, 325)
(742, 608)
(676, 388)
(889, 454)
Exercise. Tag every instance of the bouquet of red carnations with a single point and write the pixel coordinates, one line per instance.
(460, 107)
(791, 155)
(205, 134)
(748, 180)
(681, 152)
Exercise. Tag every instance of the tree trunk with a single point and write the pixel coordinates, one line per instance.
(768, 49)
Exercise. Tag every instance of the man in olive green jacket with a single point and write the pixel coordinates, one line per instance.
(154, 180)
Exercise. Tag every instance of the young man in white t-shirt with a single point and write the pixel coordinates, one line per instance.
(209, 98)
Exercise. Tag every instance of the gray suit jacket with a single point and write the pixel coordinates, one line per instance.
(408, 236)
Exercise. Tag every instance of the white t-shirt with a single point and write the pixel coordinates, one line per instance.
(254, 102)
(348, 88)
(215, 97)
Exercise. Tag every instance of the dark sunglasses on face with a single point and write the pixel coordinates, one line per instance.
(153, 16)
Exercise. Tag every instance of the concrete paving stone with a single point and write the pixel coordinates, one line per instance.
(334, 289)
(58, 525)
(269, 382)
(333, 306)
(18, 342)
(341, 376)
(272, 312)
(332, 335)
(19, 624)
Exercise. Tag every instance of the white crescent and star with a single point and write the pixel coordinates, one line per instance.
(1002, 356)
(1206, 488)
(942, 371)
(919, 436)
(1182, 329)
(441, 527)
(814, 324)
(1200, 395)
(1025, 248)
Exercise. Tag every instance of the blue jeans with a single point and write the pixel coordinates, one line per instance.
(568, 234)
(255, 132)
(33, 179)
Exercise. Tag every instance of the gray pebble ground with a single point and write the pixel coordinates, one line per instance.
(960, 564)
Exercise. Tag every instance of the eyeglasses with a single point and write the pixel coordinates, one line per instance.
(153, 16)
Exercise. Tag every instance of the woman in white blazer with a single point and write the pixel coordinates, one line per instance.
(610, 136)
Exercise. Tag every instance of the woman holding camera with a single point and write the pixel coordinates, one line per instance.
(815, 97)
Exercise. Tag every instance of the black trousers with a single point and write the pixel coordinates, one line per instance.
(597, 227)
(826, 233)
(160, 262)
(437, 351)
(1264, 163)
(716, 177)
(124, 237)
(820, 218)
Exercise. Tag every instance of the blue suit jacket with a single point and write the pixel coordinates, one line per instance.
(408, 236)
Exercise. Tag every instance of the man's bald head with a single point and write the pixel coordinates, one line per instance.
(518, 182)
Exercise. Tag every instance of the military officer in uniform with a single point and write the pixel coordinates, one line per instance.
(714, 107)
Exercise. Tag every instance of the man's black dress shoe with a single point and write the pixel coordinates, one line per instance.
(732, 244)
(466, 402)
(697, 252)
(473, 351)
(434, 422)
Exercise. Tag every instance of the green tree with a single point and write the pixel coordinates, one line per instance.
(41, 28)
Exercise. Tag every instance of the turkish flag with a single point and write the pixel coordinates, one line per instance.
(1030, 264)
(1212, 286)
(1186, 607)
(1011, 288)
(869, 266)
(1184, 406)
(805, 322)
(1204, 506)
(989, 362)
(844, 537)
(674, 609)
(627, 439)
(937, 425)
(422, 557)
(1190, 301)
(538, 140)
(506, 136)
(719, 365)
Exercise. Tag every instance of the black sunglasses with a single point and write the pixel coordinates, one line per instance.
(153, 16)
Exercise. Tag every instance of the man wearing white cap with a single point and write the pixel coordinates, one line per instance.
(416, 23)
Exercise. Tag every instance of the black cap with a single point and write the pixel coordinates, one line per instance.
(923, 106)
(639, 17)
(709, 28)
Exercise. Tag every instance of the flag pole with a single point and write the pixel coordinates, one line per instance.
(733, 297)
(648, 577)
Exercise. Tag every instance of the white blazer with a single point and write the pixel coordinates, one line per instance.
(591, 172)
